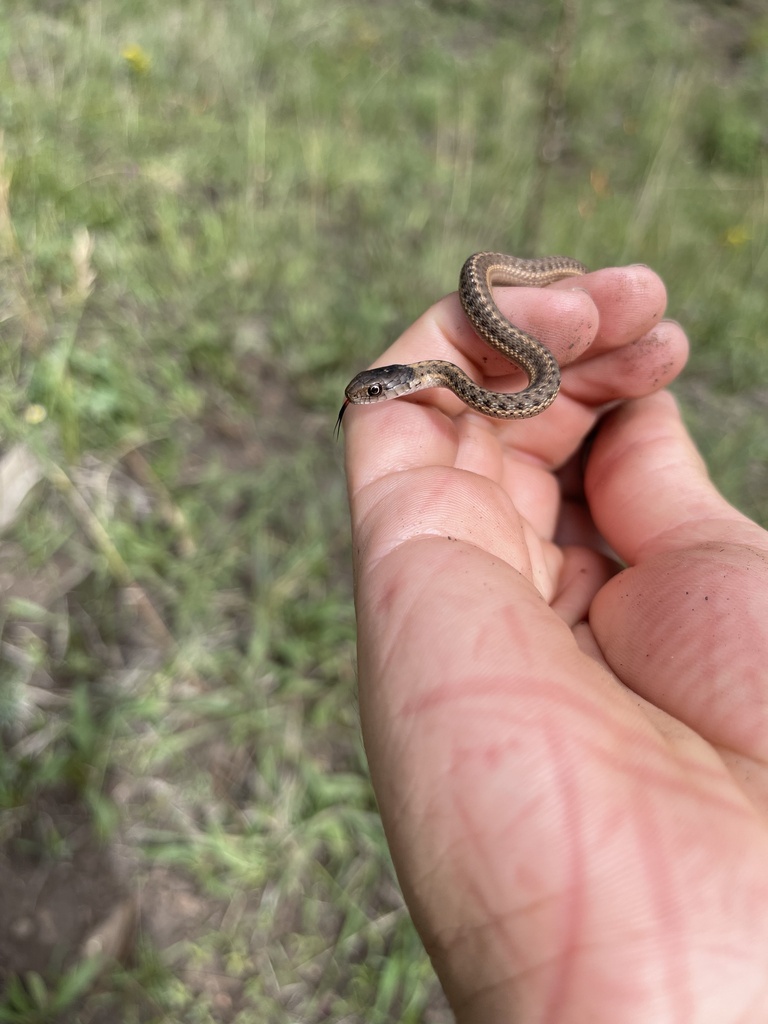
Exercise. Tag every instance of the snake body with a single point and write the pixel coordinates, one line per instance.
(479, 274)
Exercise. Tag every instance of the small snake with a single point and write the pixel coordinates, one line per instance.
(478, 275)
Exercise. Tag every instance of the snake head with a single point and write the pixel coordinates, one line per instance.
(377, 385)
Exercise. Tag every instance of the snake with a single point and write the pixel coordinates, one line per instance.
(478, 276)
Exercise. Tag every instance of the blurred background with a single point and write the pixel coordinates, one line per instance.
(211, 216)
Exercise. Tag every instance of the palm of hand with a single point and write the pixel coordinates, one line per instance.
(568, 760)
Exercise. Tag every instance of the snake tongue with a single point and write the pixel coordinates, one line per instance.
(342, 410)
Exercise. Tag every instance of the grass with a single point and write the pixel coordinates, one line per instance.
(210, 217)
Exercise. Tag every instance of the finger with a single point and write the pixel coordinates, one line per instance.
(601, 311)
(582, 574)
(684, 624)
(631, 301)
(648, 487)
(635, 369)
(461, 508)
(562, 316)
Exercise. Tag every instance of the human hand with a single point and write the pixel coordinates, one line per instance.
(569, 760)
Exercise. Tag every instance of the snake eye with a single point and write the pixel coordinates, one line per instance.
(374, 390)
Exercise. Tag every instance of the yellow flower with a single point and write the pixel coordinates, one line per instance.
(737, 235)
(137, 60)
(35, 414)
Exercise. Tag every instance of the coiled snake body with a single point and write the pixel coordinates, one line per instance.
(478, 276)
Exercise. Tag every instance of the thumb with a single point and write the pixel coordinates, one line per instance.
(648, 487)
(684, 625)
